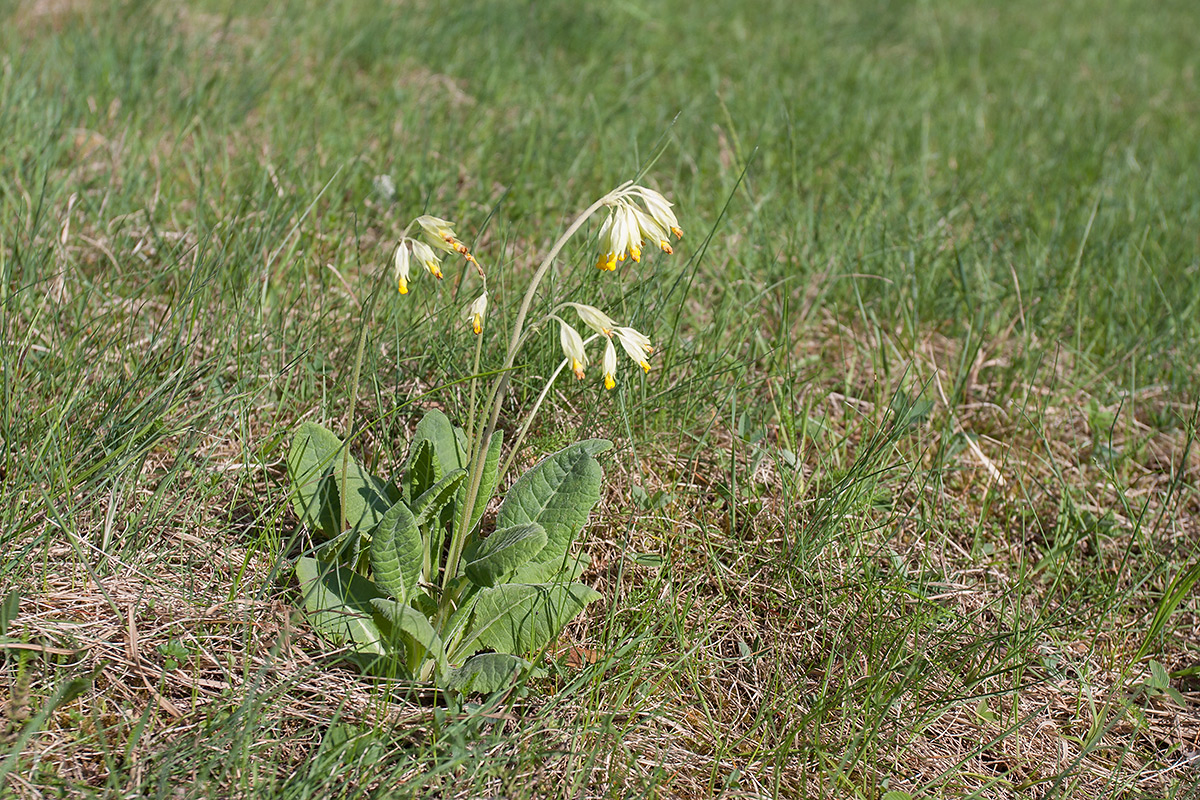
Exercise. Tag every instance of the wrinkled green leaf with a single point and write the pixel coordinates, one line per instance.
(424, 603)
(503, 552)
(415, 626)
(315, 466)
(486, 673)
(338, 603)
(436, 429)
(421, 471)
(430, 519)
(523, 618)
(397, 551)
(463, 444)
(429, 505)
(558, 493)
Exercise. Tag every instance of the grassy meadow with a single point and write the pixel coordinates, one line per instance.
(909, 505)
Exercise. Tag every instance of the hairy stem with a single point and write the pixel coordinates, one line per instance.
(491, 409)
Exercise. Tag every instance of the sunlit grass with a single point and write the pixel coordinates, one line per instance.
(927, 245)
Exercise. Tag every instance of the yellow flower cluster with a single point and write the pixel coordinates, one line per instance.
(635, 344)
(439, 234)
(628, 226)
(636, 215)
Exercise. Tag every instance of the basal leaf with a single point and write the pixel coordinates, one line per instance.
(309, 461)
(338, 603)
(436, 429)
(397, 551)
(558, 493)
(421, 471)
(523, 618)
(428, 509)
(429, 505)
(566, 569)
(503, 552)
(315, 466)
(463, 444)
(486, 673)
(414, 625)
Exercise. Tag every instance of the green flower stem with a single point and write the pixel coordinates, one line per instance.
(516, 445)
(491, 410)
(358, 359)
(474, 382)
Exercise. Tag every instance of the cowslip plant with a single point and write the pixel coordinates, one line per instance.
(404, 576)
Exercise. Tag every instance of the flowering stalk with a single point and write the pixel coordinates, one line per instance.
(622, 234)
(492, 407)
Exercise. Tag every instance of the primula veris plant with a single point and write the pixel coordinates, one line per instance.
(403, 575)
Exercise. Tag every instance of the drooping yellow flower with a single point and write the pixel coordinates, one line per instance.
(628, 226)
(636, 345)
(631, 229)
(660, 210)
(610, 365)
(476, 311)
(403, 274)
(594, 318)
(440, 233)
(424, 253)
(608, 255)
(572, 345)
(650, 229)
(618, 237)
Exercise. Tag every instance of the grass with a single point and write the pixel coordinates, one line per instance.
(909, 502)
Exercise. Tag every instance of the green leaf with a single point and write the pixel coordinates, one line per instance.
(9, 609)
(428, 509)
(338, 603)
(896, 794)
(315, 465)
(487, 484)
(523, 618)
(503, 552)
(436, 429)
(984, 713)
(309, 461)
(415, 626)
(1158, 676)
(463, 444)
(424, 604)
(397, 551)
(486, 672)
(420, 471)
(558, 493)
(429, 505)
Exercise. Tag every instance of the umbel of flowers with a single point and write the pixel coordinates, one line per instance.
(636, 215)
